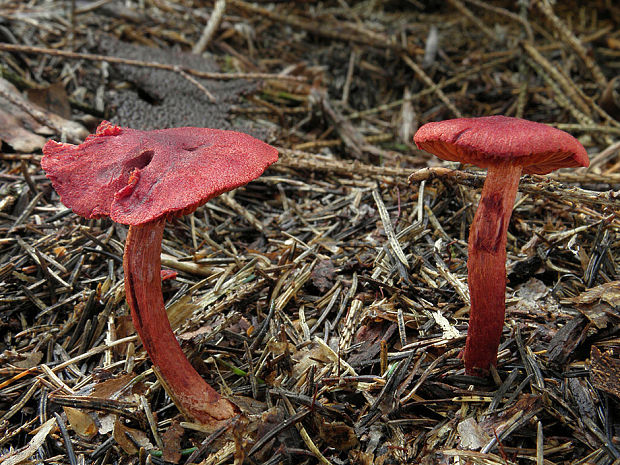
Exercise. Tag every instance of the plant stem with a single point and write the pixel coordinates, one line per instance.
(486, 266)
(189, 391)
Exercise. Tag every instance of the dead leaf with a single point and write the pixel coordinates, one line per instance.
(608, 292)
(81, 422)
(497, 423)
(32, 359)
(122, 433)
(473, 437)
(605, 371)
(106, 423)
(117, 388)
(599, 304)
(53, 98)
(361, 458)
(172, 442)
(72, 129)
(279, 348)
(337, 434)
(124, 328)
(13, 133)
(322, 275)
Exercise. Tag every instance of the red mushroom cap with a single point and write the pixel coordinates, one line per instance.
(489, 140)
(137, 176)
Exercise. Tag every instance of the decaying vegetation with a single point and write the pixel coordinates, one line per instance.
(327, 299)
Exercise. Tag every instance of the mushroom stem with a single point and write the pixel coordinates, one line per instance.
(189, 391)
(486, 266)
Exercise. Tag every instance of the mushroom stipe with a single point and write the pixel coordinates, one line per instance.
(506, 147)
(143, 178)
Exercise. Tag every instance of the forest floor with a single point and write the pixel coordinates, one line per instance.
(328, 299)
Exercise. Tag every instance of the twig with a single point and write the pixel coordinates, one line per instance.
(473, 18)
(573, 41)
(146, 64)
(566, 84)
(429, 82)
(532, 184)
(211, 27)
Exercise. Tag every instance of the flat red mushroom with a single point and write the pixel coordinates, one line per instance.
(142, 178)
(506, 147)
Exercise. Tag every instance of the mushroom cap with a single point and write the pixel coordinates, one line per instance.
(135, 177)
(490, 140)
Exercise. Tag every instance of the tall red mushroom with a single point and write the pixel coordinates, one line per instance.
(143, 178)
(506, 147)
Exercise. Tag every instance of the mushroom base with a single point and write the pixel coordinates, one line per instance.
(189, 391)
(486, 266)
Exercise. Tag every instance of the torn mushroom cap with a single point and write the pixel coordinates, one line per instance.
(137, 176)
(489, 140)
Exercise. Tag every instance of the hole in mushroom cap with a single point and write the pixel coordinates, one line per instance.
(132, 170)
(142, 160)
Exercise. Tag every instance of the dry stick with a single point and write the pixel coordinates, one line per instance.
(566, 84)
(523, 88)
(474, 19)
(524, 72)
(357, 36)
(296, 159)
(389, 228)
(561, 99)
(587, 128)
(208, 94)
(429, 82)
(505, 12)
(457, 78)
(310, 161)
(532, 184)
(573, 41)
(347, 83)
(317, 144)
(572, 90)
(211, 27)
(92, 6)
(144, 64)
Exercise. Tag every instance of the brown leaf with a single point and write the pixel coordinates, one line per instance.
(323, 275)
(122, 433)
(116, 388)
(172, 442)
(605, 371)
(31, 359)
(72, 129)
(497, 423)
(361, 458)
(599, 304)
(53, 98)
(337, 434)
(14, 134)
(471, 435)
(608, 292)
(81, 422)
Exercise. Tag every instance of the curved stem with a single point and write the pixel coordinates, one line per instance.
(142, 265)
(486, 267)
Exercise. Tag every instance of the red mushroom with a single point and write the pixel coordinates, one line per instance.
(506, 147)
(142, 178)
